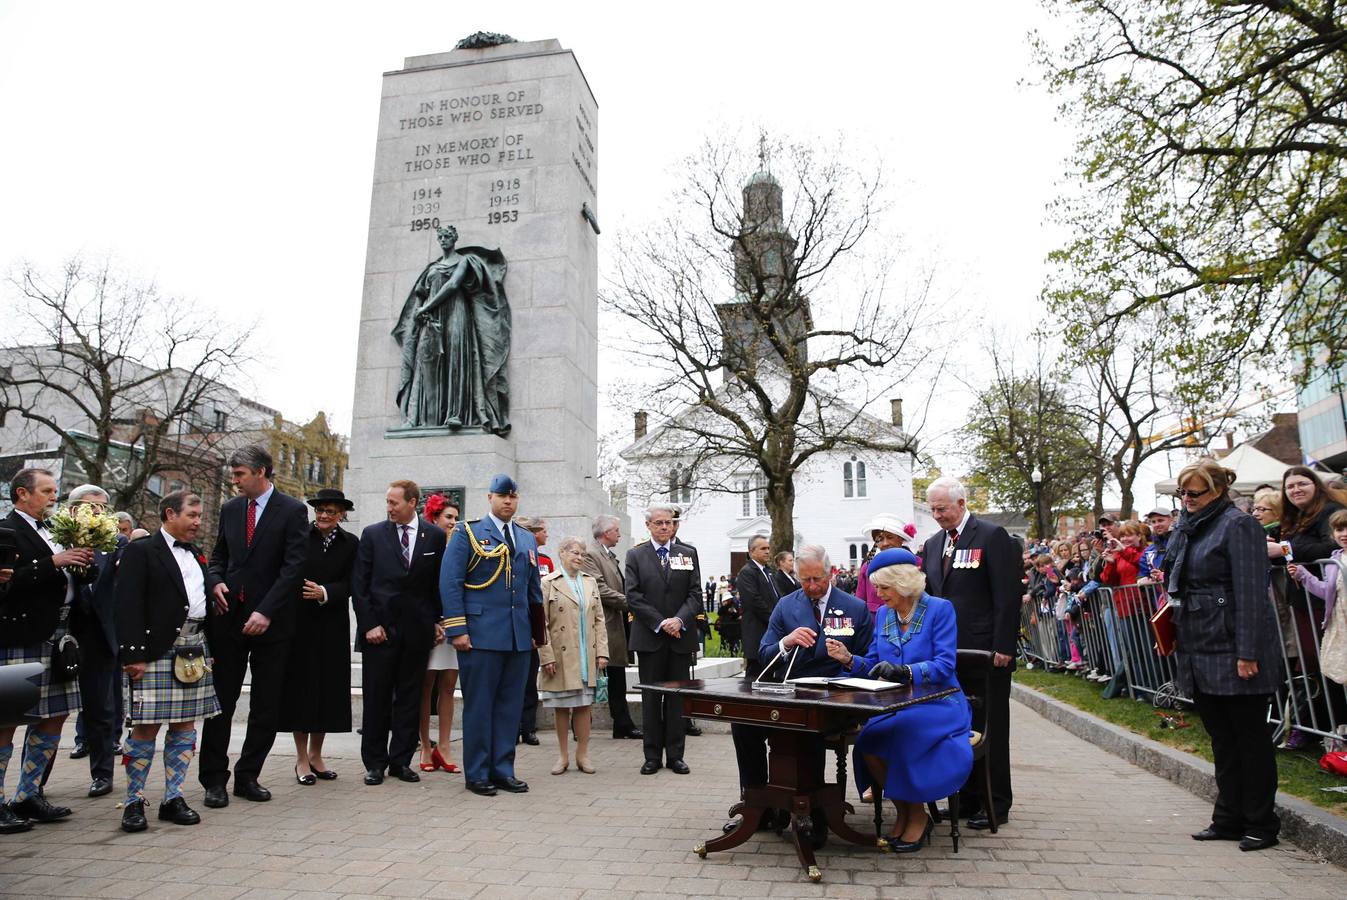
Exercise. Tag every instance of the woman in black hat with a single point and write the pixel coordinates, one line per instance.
(318, 673)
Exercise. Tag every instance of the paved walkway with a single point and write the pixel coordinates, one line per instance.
(1085, 824)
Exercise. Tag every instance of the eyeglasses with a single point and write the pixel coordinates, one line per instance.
(1181, 493)
(327, 512)
(1262, 509)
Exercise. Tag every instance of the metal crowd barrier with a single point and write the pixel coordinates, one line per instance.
(1115, 639)
(1307, 701)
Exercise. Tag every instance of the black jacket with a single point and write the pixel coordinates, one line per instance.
(655, 595)
(30, 609)
(151, 598)
(386, 593)
(265, 577)
(987, 598)
(758, 597)
(1224, 613)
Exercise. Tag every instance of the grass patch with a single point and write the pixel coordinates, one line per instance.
(1298, 771)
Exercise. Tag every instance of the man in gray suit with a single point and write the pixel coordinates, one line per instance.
(663, 582)
(601, 562)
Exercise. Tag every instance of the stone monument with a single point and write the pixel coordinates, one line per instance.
(478, 324)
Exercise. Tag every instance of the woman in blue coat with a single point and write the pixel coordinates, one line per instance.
(920, 753)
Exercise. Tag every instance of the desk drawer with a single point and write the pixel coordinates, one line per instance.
(774, 715)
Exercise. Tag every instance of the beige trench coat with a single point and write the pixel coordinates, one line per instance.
(563, 634)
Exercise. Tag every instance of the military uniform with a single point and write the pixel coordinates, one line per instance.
(486, 592)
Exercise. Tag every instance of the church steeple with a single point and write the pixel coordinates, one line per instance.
(763, 279)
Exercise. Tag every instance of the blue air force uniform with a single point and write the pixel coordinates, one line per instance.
(486, 592)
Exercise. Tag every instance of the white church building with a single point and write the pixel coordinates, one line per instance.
(722, 498)
(837, 494)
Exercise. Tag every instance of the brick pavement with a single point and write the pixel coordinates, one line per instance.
(1085, 824)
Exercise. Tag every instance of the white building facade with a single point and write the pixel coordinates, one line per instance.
(837, 494)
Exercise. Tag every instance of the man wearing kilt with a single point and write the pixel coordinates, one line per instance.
(162, 583)
(35, 610)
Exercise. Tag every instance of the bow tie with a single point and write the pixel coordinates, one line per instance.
(43, 524)
(184, 545)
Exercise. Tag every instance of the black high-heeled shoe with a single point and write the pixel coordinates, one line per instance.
(306, 780)
(325, 774)
(913, 846)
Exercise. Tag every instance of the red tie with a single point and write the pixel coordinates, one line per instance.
(949, 557)
(252, 521)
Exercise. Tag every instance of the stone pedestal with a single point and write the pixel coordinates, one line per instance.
(501, 143)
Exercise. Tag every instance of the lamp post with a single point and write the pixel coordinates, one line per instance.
(1036, 477)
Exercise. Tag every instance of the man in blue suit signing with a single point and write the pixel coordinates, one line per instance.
(492, 599)
(796, 631)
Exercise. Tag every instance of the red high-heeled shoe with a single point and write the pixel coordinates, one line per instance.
(438, 760)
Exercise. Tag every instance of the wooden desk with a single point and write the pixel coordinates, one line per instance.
(796, 723)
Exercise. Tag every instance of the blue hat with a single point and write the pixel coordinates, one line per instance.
(503, 484)
(896, 556)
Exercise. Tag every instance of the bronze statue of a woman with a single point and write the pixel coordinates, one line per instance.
(454, 331)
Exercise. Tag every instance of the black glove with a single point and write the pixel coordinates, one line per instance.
(887, 671)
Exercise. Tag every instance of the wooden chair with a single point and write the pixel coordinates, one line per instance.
(975, 673)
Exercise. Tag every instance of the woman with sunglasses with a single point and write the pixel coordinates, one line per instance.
(1216, 573)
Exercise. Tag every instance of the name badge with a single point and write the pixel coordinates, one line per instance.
(680, 563)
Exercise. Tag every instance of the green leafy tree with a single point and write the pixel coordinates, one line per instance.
(1210, 170)
(1024, 421)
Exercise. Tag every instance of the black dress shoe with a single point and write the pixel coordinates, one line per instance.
(100, 786)
(631, 734)
(981, 822)
(404, 773)
(482, 788)
(249, 789)
(693, 730)
(1249, 842)
(217, 797)
(513, 785)
(11, 823)
(178, 812)
(649, 767)
(529, 737)
(1212, 834)
(133, 816)
(81, 750)
(679, 767)
(374, 776)
(37, 809)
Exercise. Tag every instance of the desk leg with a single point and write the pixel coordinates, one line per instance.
(747, 828)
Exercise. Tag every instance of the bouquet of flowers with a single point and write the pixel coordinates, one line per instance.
(85, 527)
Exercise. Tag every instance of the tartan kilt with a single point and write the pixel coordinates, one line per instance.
(55, 698)
(159, 697)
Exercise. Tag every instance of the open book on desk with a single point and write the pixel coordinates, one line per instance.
(857, 684)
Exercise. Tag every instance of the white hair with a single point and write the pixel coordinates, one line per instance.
(604, 524)
(84, 490)
(813, 553)
(659, 508)
(952, 487)
(569, 542)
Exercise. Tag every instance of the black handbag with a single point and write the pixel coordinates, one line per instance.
(65, 659)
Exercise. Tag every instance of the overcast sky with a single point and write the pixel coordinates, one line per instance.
(227, 150)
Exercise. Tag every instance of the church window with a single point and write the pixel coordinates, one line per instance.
(860, 479)
(760, 495)
(746, 498)
(680, 485)
(848, 482)
(851, 553)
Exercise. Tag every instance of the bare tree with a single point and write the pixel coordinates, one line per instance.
(1145, 394)
(752, 310)
(128, 381)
